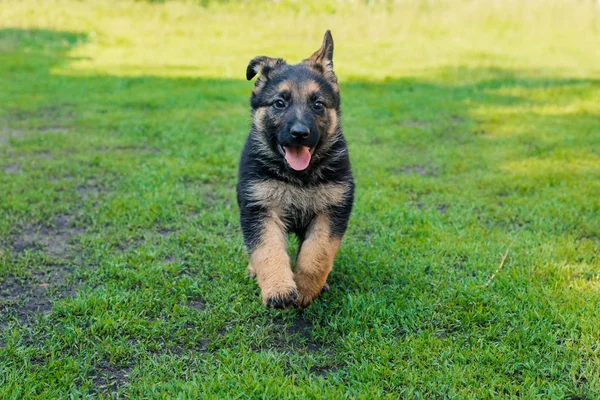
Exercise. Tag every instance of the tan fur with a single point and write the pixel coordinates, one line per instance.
(308, 89)
(333, 122)
(262, 81)
(330, 137)
(259, 116)
(259, 85)
(270, 261)
(284, 87)
(315, 260)
(318, 60)
(279, 194)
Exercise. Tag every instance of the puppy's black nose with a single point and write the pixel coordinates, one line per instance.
(300, 131)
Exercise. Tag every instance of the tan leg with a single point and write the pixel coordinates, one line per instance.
(271, 264)
(315, 260)
(251, 271)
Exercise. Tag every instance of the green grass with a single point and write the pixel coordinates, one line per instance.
(474, 129)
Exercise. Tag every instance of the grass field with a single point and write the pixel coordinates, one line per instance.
(471, 268)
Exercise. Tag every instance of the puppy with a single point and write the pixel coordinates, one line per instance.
(294, 176)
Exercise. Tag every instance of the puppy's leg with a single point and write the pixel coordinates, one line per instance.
(251, 271)
(315, 260)
(271, 264)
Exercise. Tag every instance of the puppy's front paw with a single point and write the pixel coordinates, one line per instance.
(304, 301)
(309, 289)
(281, 300)
(277, 287)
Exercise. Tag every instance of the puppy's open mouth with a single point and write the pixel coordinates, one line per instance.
(297, 157)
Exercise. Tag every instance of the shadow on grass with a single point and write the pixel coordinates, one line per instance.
(443, 170)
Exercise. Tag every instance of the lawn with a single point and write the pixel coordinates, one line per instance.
(471, 268)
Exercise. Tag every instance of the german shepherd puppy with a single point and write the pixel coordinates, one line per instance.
(294, 176)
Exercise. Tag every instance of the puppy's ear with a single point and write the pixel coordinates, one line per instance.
(262, 65)
(322, 59)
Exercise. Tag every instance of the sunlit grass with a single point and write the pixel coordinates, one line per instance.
(408, 38)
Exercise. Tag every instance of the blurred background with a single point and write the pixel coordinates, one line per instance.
(376, 39)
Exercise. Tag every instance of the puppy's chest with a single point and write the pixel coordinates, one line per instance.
(291, 199)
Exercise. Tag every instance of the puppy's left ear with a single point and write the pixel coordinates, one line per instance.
(322, 59)
(262, 65)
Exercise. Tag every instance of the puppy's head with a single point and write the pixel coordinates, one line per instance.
(295, 107)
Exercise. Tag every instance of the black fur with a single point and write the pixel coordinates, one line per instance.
(281, 302)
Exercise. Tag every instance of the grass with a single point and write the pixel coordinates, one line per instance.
(474, 131)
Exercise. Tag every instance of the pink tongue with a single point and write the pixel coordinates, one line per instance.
(297, 157)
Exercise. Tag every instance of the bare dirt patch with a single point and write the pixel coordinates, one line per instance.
(24, 297)
(442, 208)
(6, 134)
(109, 378)
(198, 304)
(87, 192)
(31, 292)
(296, 336)
(165, 231)
(169, 260)
(13, 169)
(93, 189)
(54, 240)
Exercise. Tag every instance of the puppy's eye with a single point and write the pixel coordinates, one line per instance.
(317, 106)
(279, 104)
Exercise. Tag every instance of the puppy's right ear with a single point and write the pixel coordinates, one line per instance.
(262, 65)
